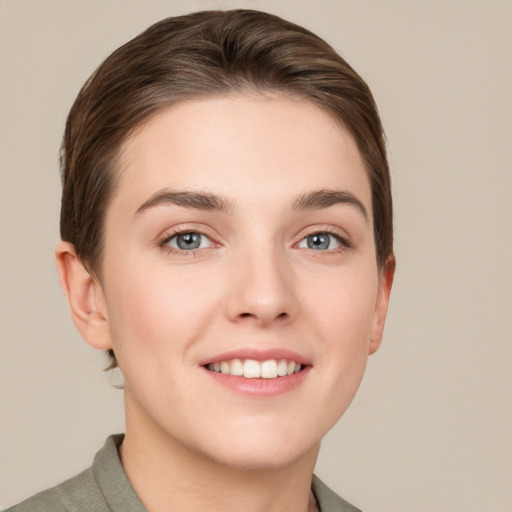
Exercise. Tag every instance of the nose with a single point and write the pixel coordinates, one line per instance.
(262, 290)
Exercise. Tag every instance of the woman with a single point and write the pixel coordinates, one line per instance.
(226, 230)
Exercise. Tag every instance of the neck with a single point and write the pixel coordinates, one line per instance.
(168, 476)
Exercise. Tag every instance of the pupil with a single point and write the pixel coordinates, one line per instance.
(318, 241)
(189, 241)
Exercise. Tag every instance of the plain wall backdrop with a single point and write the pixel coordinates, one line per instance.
(431, 427)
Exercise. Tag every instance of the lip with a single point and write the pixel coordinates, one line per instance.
(258, 355)
(259, 387)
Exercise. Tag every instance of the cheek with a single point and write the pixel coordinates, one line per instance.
(154, 320)
(342, 315)
(156, 313)
(343, 303)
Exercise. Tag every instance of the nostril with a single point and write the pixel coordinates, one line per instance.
(246, 315)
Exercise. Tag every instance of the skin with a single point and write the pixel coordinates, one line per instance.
(254, 283)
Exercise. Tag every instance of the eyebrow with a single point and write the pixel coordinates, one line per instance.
(316, 199)
(187, 199)
(324, 198)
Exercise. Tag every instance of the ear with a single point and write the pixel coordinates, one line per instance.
(85, 297)
(381, 305)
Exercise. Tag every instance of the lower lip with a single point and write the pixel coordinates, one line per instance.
(260, 387)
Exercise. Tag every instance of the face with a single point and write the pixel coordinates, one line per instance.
(240, 244)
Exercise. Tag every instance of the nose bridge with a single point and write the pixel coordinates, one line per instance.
(262, 286)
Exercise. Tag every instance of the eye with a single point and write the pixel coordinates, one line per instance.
(188, 241)
(321, 242)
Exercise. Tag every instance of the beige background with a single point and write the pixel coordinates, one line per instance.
(431, 428)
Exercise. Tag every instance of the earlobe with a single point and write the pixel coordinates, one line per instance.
(85, 298)
(381, 306)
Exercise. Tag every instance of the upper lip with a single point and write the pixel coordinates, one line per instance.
(257, 355)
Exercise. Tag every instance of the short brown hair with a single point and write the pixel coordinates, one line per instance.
(203, 54)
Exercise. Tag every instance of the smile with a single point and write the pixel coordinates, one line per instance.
(252, 369)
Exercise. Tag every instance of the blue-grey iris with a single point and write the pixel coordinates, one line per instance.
(187, 241)
(319, 241)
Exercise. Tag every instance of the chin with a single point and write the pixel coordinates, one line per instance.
(257, 449)
(265, 458)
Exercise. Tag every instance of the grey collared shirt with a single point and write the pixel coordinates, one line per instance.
(104, 487)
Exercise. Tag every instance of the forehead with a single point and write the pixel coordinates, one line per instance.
(243, 147)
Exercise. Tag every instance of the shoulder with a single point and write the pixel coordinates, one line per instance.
(69, 496)
(100, 488)
(328, 500)
(103, 487)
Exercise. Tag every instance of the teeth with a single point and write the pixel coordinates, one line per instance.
(282, 368)
(236, 367)
(251, 369)
(269, 369)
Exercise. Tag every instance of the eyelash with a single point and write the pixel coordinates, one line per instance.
(344, 244)
(173, 250)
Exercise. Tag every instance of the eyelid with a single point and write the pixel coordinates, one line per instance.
(169, 240)
(169, 234)
(338, 233)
